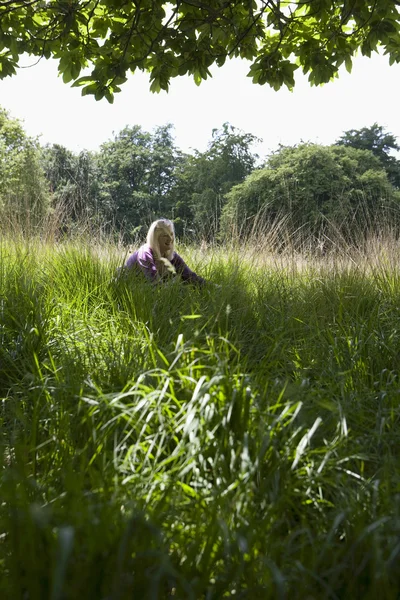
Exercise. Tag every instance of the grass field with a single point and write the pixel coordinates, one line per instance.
(239, 441)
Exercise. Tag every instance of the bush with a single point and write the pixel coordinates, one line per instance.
(316, 187)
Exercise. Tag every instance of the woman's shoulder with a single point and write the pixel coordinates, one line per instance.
(132, 259)
(142, 253)
(145, 250)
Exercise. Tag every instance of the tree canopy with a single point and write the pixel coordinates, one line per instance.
(311, 185)
(23, 191)
(372, 138)
(204, 178)
(139, 176)
(136, 174)
(113, 38)
(380, 143)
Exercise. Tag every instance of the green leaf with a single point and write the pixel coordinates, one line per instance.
(83, 81)
(109, 96)
(67, 77)
(75, 70)
(89, 89)
(197, 78)
(155, 86)
(120, 80)
(99, 93)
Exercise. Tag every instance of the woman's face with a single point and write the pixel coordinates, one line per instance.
(165, 241)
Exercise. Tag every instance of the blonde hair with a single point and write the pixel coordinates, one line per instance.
(152, 237)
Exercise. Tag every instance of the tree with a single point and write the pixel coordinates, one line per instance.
(187, 37)
(311, 185)
(137, 171)
(380, 143)
(73, 181)
(24, 197)
(204, 179)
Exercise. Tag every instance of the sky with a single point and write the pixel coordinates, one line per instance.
(60, 115)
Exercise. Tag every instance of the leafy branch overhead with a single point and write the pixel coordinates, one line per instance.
(107, 39)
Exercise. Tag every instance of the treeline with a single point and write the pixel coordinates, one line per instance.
(139, 176)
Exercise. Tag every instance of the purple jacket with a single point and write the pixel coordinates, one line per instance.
(143, 259)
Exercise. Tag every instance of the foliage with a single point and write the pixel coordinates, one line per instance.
(139, 176)
(205, 177)
(380, 143)
(24, 197)
(137, 170)
(73, 181)
(198, 443)
(186, 38)
(142, 176)
(312, 185)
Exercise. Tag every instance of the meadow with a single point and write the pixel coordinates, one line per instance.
(239, 441)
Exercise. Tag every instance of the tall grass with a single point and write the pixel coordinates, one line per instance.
(199, 443)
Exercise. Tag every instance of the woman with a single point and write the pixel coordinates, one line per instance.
(157, 258)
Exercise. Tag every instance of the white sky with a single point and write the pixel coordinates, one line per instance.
(59, 114)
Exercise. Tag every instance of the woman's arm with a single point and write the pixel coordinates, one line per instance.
(183, 270)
